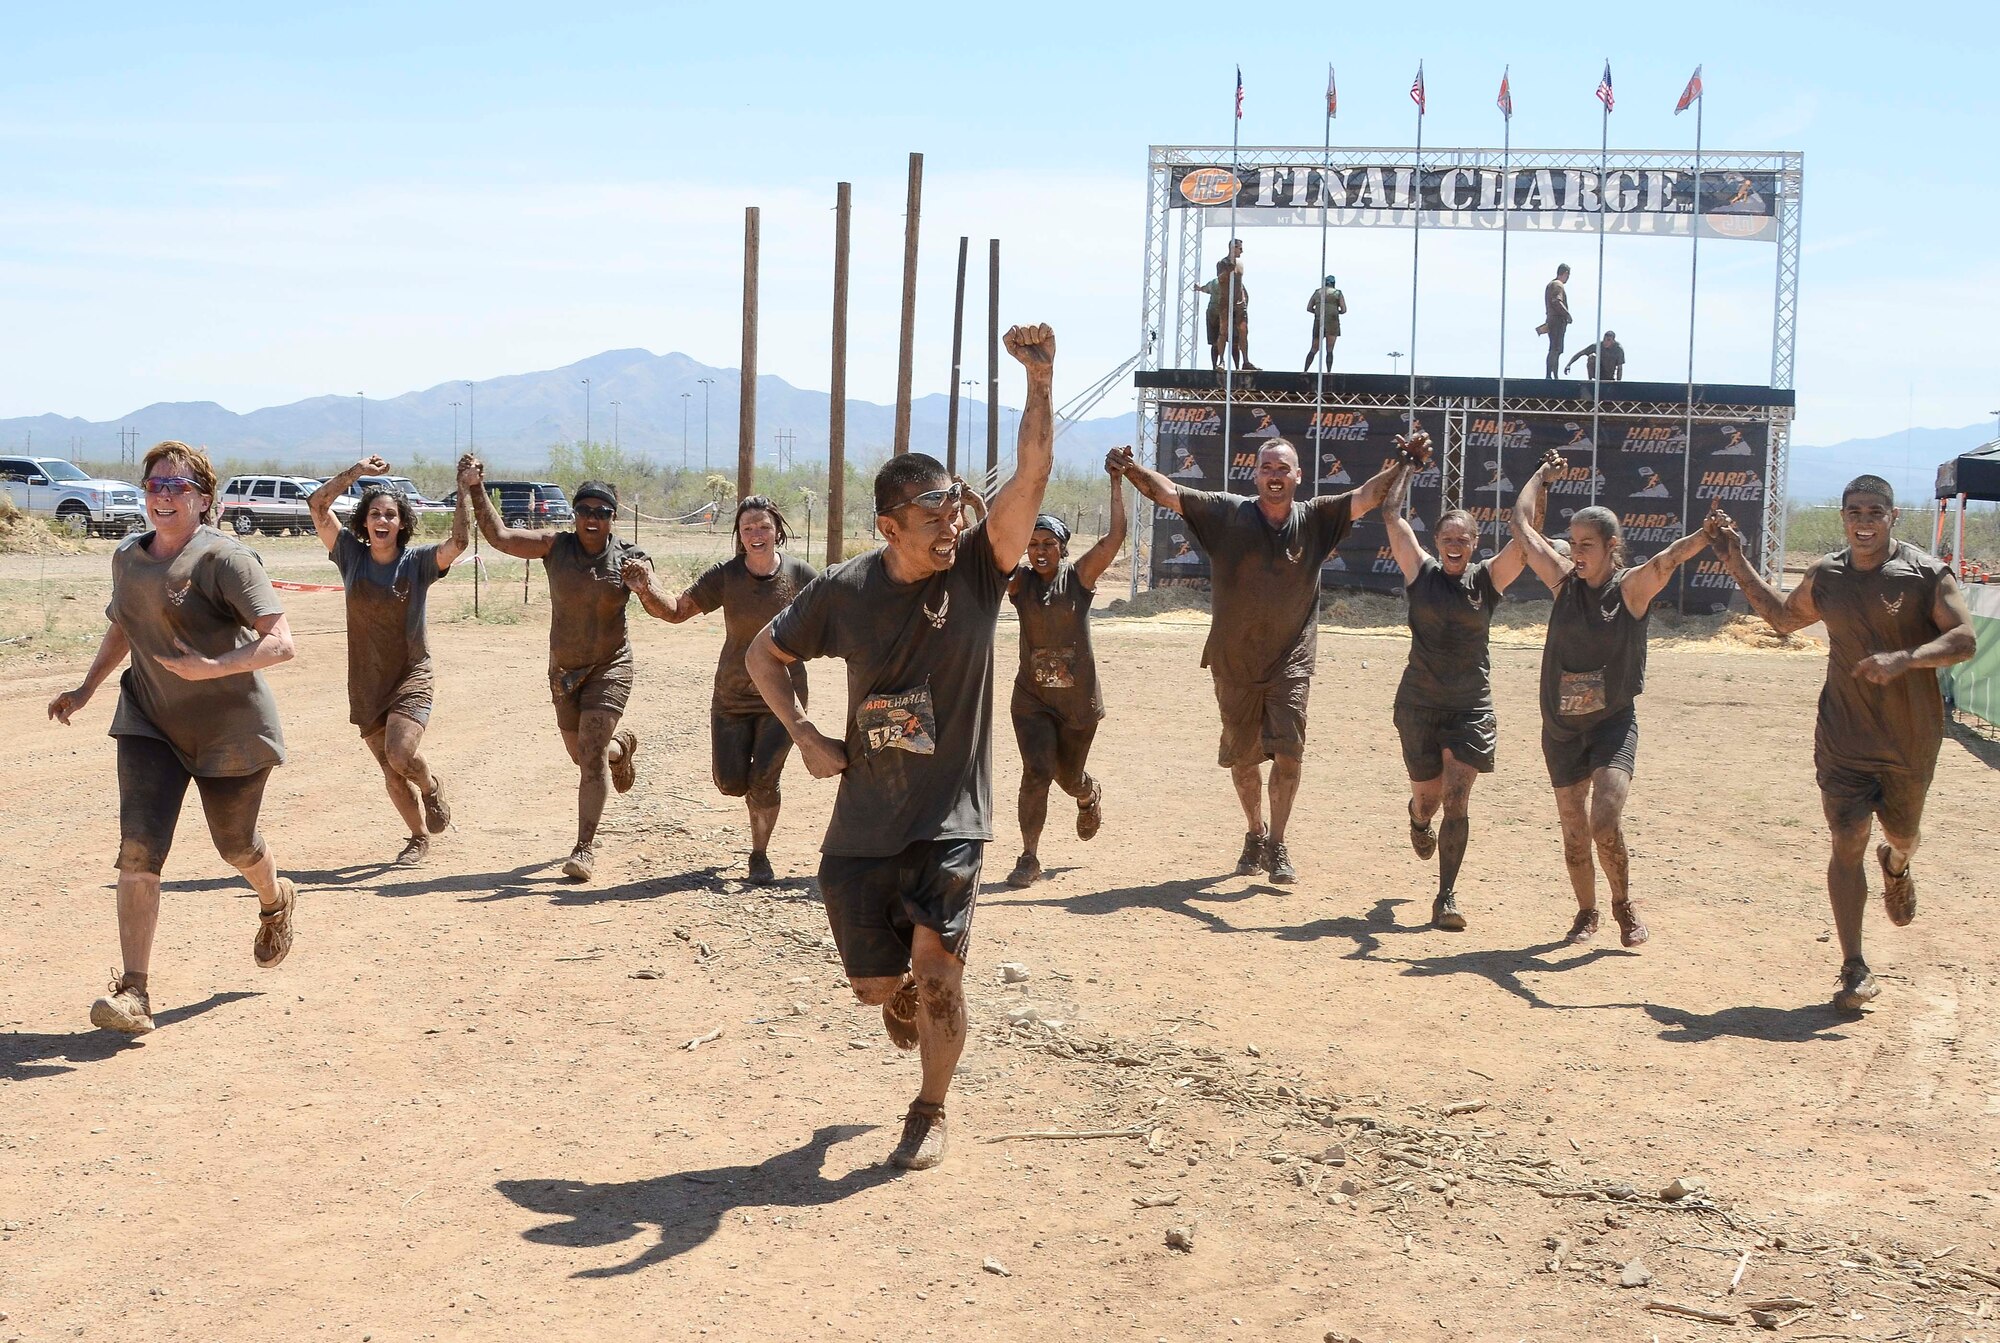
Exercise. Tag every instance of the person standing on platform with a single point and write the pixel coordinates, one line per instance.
(1892, 613)
(1612, 352)
(747, 746)
(915, 623)
(1555, 319)
(1056, 706)
(1444, 703)
(1264, 556)
(1593, 670)
(590, 653)
(1327, 305)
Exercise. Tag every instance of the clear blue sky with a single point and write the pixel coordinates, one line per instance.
(249, 205)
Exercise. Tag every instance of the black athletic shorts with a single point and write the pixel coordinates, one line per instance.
(1574, 756)
(152, 782)
(1472, 734)
(1262, 720)
(1052, 749)
(747, 752)
(875, 905)
(1851, 796)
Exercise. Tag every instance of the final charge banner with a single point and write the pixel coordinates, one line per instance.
(1337, 454)
(1631, 200)
(1636, 472)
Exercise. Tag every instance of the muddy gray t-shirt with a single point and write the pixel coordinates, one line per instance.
(919, 695)
(1058, 668)
(1265, 590)
(386, 636)
(1450, 619)
(748, 602)
(1869, 728)
(209, 597)
(1594, 660)
(587, 598)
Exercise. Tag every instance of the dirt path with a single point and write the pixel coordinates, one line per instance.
(463, 1108)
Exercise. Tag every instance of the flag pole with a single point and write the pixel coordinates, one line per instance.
(1597, 332)
(1416, 240)
(1227, 293)
(1506, 206)
(1319, 336)
(1694, 272)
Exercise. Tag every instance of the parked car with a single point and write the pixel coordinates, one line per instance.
(524, 503)
(273, 505)
(57, 491)
(345, 504)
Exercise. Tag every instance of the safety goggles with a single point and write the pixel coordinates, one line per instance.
(600, 514)
(173, 487)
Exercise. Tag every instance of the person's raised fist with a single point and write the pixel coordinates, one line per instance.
(1552, 461)
(1415, 448)
(1119, 461)
(1034, 346)
(471, 473)
(374, 465)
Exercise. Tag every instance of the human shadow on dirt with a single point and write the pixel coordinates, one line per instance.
(999, 886)
(1980, 747)
(27, 1055)
(1366, 931)
(1183, 897)
(1505, 966)
(688, 1206)
(1778, 1025)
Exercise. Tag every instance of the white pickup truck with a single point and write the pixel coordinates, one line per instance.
(55, 490)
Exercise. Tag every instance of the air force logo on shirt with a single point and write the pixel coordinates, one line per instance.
(1894, 608)
(938, 617)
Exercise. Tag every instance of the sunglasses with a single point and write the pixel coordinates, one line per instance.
(171, 486)
(951, 495)
(600, 514)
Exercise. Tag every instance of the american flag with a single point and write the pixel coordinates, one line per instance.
(1239, 93)
(1604, 87)
(1505, 101)
(1332, 101)
(1690, 93)
(1417, 89)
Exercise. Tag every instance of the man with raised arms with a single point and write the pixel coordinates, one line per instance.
(914, 621)
(1892, 614)
(590, 655)
(1264, 556)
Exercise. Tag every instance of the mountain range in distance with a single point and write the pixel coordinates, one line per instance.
(513, 421)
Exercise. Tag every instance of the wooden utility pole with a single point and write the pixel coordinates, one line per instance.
(836, 427)
(992, 359)
(906, 351)
(957, 353)
(746, 396)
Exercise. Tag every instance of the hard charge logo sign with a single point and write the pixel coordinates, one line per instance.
(1209, 186)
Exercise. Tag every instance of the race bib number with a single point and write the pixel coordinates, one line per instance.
(903, 721)
(1580, 693)
(1053, 668)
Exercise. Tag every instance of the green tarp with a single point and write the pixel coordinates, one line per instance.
(1974, 686)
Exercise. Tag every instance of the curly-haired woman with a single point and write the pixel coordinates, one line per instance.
(197, 615)
(388, 584)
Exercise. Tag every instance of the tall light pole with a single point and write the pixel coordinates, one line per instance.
(1996, 422)
(706, 383)
(471, 419)
(614, 427)
(454, 429)
(586, 412)
(968, 382)
(684, 429)
(1395, 362)
(362, 398)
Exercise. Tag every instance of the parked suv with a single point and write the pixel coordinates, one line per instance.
(525, 503)
(55, 490)
(345, 504)
(270, 504)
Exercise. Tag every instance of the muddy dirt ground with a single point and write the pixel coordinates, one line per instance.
(466, 1107)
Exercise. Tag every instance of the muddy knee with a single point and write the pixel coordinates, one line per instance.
(241, 854)
(732, 785)
(401, 760)
(141, 857)
(763, 795)
(876, 991)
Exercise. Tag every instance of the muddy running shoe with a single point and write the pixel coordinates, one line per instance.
(1857, 986)
(923, 1143)
(1090, 812)
(274, 928)
(1423, 838)
(899, 1016)
(581, 863)
(124, 1008)
(415, 849)
(1027, 871)
(623, 771)
(437, 811)
(1278, 862)
(1444, 913)
(760, 869)
(1631, 928)
(1899, 891)
(1251, 860)
(1583, 927)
